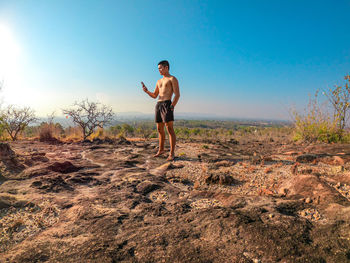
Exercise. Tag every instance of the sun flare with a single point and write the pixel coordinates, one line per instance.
(9, 52)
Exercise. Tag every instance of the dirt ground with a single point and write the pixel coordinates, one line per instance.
(219, 201)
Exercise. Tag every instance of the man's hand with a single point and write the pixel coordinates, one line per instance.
(144, 87)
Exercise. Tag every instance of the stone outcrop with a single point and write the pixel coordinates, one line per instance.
(106, 201)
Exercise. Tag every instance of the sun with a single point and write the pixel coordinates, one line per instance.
(9, 52)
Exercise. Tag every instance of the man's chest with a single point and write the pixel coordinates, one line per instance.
(165, 85)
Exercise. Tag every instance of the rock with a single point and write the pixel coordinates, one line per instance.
(50, 140)
(160, 170)
(7, 201)
(122, 141)
(39, 157)
(52, 184)
(222, 179)
(338, 160)
(119, 212)
(146, 187)
(337, 169)
(218, 164)
(6, 152)
(34, 172)
(196, 185)
(304, 186)
(97, 141)
(291, 153)
(306, 158)
(267, 159)
(294, 168)
(233, 141)
(308, 200)
(4, 203)
(64, 167)
(265, 191)
(307, 171)
(268, 170)
(256, 159)
(12, 166)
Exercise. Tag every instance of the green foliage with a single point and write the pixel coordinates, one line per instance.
(127, 130)
(203, 129)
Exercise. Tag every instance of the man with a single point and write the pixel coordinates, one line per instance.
(164, 111)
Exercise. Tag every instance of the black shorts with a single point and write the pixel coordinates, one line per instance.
(163, 111)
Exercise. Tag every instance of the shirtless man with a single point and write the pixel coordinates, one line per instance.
(164, 111)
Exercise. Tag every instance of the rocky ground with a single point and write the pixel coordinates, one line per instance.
(110, 201)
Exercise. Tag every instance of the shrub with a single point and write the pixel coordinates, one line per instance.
(89, 116)
(15, 120)
(46, 133)
(316, 124)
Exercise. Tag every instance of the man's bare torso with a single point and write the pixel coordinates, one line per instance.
(165, 87)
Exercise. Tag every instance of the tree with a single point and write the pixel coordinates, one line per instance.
(339, 97)
(2, 128)
(127, 130)
(14, 120)
(89, 115)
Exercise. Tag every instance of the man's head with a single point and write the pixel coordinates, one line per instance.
(163, 67)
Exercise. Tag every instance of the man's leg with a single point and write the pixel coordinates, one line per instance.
(161, 136)
(172, 139)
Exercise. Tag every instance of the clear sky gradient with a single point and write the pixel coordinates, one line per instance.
(253, 59)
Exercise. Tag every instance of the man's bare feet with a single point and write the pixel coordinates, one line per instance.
(171, 157)
(159, 153)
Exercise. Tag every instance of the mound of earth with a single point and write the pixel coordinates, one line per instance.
(230, 201)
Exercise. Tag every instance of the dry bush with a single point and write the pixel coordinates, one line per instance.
(318, 123)
(89, 116)
(46, 133)
(99, 133)
(14, 120)
(72, 134)
(315, 124)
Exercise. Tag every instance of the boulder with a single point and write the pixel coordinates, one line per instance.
(222, 179)
(306, 158)
(311, 186)
(63, 167)
(6, 152)
(146, 187)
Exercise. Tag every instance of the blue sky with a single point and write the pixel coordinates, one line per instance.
(252, 59)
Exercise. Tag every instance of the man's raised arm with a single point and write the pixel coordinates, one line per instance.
(151, 94)
(176, 91)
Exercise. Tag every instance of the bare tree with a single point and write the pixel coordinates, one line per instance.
(51, 117)
(1, 89)
(339, 97)
(14, 120)
(89, 115)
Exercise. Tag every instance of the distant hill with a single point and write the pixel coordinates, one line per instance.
(122, 117)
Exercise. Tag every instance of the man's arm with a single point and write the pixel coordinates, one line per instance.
(151, 94)
(176, 91)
